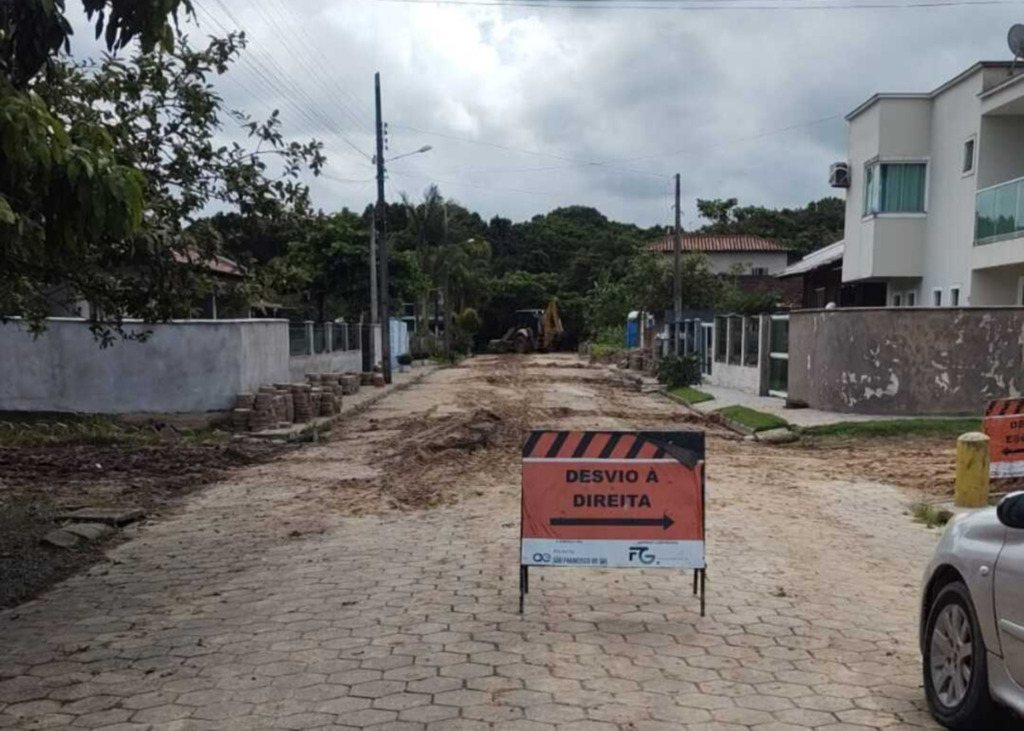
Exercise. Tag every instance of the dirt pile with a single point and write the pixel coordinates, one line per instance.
(40, 478)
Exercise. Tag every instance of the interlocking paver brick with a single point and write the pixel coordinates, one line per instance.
(411, 621)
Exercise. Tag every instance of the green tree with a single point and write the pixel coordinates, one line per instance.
(107, 165)
(803, 230)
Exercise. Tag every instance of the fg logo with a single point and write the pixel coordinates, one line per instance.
(641, 554)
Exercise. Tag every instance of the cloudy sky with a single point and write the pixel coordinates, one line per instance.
(518, 102)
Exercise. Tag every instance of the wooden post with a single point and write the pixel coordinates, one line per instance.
(972, 471)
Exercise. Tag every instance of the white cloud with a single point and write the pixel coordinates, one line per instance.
(591, 85)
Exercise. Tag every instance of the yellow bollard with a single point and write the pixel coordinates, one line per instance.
(972, 470)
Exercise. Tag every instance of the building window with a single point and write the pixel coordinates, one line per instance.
(954, 296)
(759, 271)
(894, 188)
(937, 297)
(897, 299)
(911, 299)
(969, 145)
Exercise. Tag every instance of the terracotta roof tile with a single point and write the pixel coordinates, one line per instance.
(710, 243)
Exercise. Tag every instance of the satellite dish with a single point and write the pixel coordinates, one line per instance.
(1015, 39)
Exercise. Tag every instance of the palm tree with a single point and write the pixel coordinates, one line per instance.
(427, 224)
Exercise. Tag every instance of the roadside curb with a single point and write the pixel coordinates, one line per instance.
(709, 416)
(305, 431)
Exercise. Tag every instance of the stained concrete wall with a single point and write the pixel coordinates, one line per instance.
(336, 362)
(906, 361)
(185, 366)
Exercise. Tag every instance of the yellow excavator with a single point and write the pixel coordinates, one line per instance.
(534, 330)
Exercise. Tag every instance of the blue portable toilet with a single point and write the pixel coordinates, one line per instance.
(633, 330)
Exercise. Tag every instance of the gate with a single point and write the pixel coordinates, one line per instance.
(778, 356)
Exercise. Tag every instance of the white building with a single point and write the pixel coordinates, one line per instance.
(731, 254)
(935, 205)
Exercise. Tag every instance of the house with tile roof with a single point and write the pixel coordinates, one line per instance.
(731, 254)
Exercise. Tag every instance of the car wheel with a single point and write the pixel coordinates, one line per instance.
(955, 669)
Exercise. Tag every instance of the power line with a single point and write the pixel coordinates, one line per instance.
(679, 5)
(299, 51)
(611, 163)
(275, 76)
(470, 185)
(362, 107)
(576, 161)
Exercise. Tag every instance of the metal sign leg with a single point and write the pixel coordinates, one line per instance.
(524, 585)
(703, 576)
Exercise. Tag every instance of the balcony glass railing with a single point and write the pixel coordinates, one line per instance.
(999, 212)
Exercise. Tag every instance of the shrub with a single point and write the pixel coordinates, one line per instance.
(405, 359)
(679, 370)
(468, 321)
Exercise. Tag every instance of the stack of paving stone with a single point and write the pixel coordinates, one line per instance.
(301, 401)
(284, 390)
(244, 403)
(262, 416)
(366, 378)
(377, 379)
(315, 395)
(350, 383)
(332, 382)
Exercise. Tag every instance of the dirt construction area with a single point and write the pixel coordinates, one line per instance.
(370, 581)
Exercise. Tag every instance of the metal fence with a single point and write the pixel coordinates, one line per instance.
(298, 342)
(319, 339)
(340, 340)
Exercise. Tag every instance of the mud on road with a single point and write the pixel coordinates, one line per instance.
(370, 579)
(47, 471)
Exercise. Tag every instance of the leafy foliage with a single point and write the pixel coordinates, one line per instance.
(803, 230)
(679, 370)
(105, 165)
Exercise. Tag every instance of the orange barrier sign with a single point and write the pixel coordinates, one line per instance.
(613, 500)
(1004, 426)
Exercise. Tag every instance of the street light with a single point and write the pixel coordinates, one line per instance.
(425, 148)
(375, 299)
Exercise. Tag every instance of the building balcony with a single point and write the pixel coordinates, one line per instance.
(999, 226)
(999, 213)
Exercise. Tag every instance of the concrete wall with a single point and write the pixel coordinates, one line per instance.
(901, 361)
(336, 362)
(185, 366)
(741, 378)
(722, 262)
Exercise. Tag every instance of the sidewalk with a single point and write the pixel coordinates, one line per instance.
(351, 404)
(777, 406)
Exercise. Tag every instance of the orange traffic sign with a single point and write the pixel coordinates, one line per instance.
(613, 500)
(1004, 426)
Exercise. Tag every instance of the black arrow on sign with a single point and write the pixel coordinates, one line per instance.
(1013, 451)
(664, 521)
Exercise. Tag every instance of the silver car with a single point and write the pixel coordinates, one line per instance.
(972, 619)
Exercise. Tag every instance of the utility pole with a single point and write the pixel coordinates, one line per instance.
(447, 288)
(385, 290)
(374, 317)
(677, 256)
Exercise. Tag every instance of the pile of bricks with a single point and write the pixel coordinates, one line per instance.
(283, 404)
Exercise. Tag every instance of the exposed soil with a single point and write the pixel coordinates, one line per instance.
(39, 482)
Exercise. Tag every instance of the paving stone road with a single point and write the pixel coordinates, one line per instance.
(261, 605)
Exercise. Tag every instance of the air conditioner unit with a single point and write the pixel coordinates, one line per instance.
(839, 175)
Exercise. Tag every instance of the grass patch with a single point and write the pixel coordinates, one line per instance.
(937, 428)
(97, 431)
(930, 515)
(755, 420)
(691, 395)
